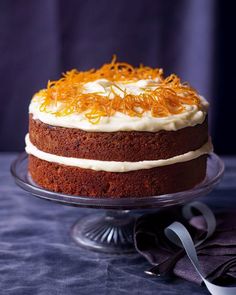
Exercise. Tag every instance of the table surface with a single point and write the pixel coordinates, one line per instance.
(37, 255)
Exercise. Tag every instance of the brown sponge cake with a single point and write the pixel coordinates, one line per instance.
(116, 146)
(118, 132)
(140, 183)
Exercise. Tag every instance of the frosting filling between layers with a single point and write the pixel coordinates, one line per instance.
(114, 166)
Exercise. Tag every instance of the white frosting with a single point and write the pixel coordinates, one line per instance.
(114, 166)
(119, 121)
(103, 87)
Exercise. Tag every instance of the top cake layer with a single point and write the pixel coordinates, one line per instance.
(119, 97)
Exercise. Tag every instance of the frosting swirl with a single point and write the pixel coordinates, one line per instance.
(191, 116)
(119, 97)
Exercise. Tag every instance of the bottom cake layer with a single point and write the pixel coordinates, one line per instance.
(140, 183)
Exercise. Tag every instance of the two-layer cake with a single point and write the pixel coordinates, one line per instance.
(118, 131)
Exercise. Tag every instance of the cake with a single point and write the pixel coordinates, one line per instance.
(118, 131)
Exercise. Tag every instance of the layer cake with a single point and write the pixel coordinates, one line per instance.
(118, 131)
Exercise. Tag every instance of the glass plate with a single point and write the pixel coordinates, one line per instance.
(112, 233)
(215, 169)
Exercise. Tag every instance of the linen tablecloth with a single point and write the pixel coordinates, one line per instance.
(38, 256)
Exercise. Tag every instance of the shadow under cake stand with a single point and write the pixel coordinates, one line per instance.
(112, 232)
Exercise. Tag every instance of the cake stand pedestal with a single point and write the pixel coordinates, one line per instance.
(112, 232)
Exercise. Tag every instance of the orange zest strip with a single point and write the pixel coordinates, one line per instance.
(169, 97)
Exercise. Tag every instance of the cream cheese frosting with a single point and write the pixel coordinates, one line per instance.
(104, 86)
(114, 166)
(192, 115)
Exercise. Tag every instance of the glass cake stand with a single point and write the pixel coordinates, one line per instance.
(112, 232)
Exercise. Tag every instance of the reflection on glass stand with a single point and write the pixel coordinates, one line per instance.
(113, 231)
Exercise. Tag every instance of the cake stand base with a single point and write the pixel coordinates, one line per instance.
(108, 233)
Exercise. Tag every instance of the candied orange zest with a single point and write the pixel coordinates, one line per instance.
(166, 97)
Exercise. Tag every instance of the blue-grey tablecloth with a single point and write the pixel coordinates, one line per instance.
(37, 255)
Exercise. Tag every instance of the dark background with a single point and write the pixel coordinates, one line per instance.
(193, 38)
